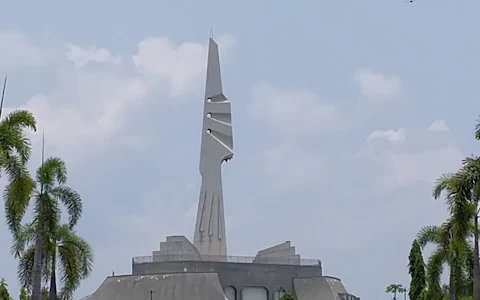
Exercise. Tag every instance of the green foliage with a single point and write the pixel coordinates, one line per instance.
(45, 294)
(424, 295)
(63, 249)
(287, 296)
(449, 251)
(24, 295)
(416, 269)
(395, 289)
(4, 295)
(462, 195)
(39, 238)
(15, 150)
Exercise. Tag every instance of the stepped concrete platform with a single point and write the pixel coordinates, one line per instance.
(178, 272)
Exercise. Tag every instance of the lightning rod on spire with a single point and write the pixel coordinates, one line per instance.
(3, 95)
(43, 146)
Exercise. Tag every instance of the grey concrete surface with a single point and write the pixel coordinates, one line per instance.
(201, 286)
(280, 254)
(314, 288)
(336, 284)
(237, 275)
(176, 248)
(216, 147)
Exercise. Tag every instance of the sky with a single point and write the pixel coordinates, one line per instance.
(344, 114)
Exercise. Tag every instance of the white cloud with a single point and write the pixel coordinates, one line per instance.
(376, 86)
(404, 162)
(393, 136)
(96, 107)
(88, 106)
(179, 65)
(289, 166)
(424, 166)
(17, 50)
(294, 112)
(82, 56)
(439, 125)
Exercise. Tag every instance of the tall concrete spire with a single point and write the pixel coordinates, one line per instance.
(217, 146)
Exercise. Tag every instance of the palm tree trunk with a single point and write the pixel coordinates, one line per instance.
(37, 264)
(451, 285)
(53, 279)
(476, 263)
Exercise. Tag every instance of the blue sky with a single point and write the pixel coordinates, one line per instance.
(344, 113)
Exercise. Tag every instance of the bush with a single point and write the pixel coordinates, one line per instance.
(287, 296)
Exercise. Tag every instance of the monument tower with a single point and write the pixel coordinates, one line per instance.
(202, 270)
(216, 147)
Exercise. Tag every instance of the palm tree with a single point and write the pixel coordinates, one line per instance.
(454, 253)
(15, 150)
(462, 191)
(62, 248)
(48, 191)
(394, 289)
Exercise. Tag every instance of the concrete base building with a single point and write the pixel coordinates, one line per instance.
(181, 270)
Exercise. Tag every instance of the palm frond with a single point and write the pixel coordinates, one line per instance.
(53, 170)
(441, 184)
(22, 239)
(72, 200)
(16, 198)
(435, 269)
(76, 251)
(25, 268)
(70, 270)
(429, 234)
(22, 119)
(47, 211)
(12, 137)
(15, 143)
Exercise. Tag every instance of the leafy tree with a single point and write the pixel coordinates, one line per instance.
(47, 192)
(4, 295)
(63, 248)
(462, 194)
(395, 289)
(416, 268)
(287, 296)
